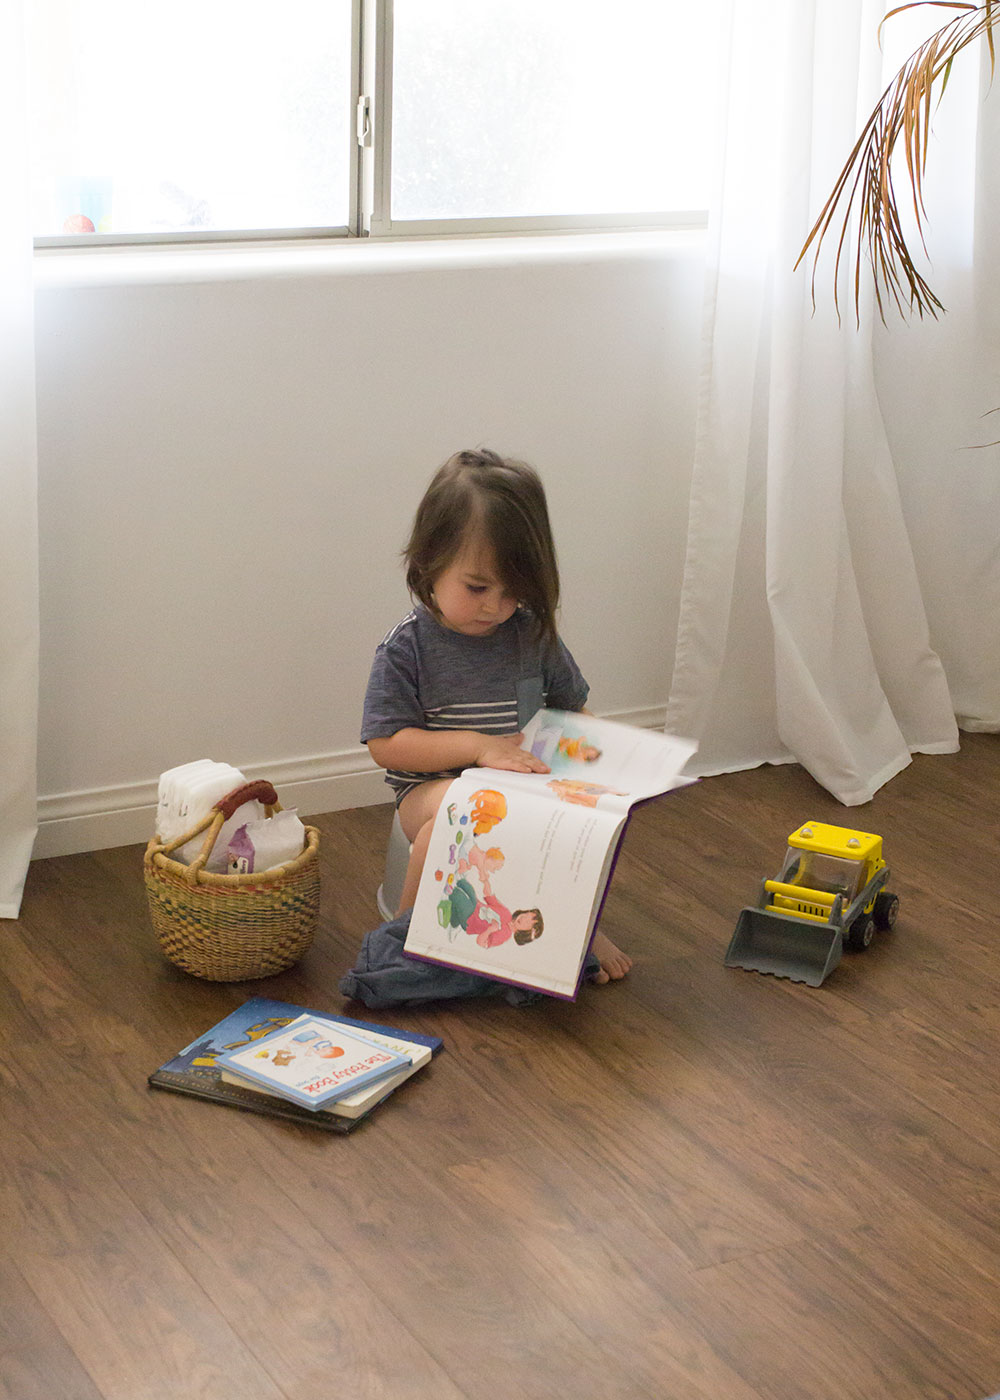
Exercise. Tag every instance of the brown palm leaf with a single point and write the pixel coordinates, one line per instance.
(903, 113)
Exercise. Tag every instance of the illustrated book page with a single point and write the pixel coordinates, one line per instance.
(518, 863)
(599, 762)
(512, 882)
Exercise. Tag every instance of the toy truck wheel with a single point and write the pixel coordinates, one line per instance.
(860, 933)
(886, 909)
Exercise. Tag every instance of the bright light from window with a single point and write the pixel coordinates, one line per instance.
(195, 116)
(549, 107)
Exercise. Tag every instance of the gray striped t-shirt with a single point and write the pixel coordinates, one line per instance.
(425, 676)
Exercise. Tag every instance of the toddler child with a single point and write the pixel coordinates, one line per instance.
(453, 683)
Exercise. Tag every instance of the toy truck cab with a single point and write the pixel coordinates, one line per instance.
(823, 863)
(829, 894)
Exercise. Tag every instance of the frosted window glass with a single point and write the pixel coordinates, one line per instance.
(193, 116)
(537, 107)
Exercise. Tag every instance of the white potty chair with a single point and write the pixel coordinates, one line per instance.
(397, 858)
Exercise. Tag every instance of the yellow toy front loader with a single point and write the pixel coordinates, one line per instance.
(829, 894)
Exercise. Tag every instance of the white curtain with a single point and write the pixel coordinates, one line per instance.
(18, 496)
(939, 384)
(803, 635)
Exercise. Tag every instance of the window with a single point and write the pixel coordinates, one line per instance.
(241, 118)
(190, 119)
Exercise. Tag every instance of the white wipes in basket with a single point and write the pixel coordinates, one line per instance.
(167, 801)
(188, 793)
(173, 793)
(261, 845)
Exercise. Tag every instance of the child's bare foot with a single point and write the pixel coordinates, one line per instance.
(614, 963)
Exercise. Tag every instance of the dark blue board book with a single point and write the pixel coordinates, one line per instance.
(196, 1070)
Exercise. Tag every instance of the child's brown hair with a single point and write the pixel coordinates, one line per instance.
(505, 501)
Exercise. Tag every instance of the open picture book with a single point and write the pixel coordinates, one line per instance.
(519, 864)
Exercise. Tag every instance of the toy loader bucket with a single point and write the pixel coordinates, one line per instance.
(786, 947)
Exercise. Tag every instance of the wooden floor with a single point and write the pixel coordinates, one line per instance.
(701, 1182)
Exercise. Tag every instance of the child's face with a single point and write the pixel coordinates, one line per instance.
(469, 595)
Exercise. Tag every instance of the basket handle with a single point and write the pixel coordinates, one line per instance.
(261, 790)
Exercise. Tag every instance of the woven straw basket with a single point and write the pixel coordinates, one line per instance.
(229, 928)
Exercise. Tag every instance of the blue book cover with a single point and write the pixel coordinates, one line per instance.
(196, 1069)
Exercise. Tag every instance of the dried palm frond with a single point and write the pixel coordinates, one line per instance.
(903, 112)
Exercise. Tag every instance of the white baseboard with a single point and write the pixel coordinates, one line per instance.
(92, 820)
(96, 818)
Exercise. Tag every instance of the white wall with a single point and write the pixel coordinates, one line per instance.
(231, 448)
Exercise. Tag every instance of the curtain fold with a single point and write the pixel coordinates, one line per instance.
(939, 387)
(802, 633)
(18, 476)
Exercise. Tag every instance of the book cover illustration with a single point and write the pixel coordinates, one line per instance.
(313, 1061)
(196, 1071)
(359, 1101)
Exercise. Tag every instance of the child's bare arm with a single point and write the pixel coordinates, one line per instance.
(430, 750)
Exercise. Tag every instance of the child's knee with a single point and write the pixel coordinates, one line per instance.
(419, 808)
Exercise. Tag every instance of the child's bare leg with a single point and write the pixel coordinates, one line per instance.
(614, 963)
(416, 815)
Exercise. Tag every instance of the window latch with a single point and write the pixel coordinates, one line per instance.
(364, 121)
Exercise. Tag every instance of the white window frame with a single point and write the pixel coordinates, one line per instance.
(370, 175)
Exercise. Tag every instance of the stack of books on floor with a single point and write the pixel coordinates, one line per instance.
(290, 1062)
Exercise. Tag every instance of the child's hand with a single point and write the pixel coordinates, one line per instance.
(506, 752)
